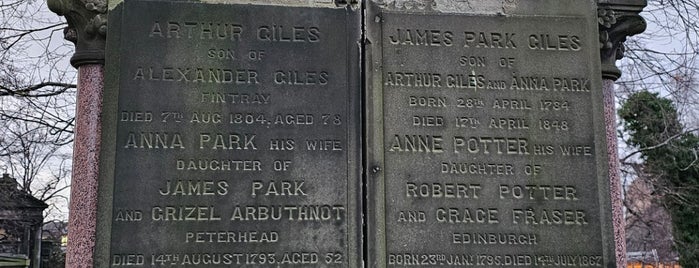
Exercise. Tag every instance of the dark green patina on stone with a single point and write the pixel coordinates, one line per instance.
(486, 134)
(231, 136)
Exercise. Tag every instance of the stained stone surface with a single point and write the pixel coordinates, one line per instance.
(230, 136)
(86, 151)
(486, 135)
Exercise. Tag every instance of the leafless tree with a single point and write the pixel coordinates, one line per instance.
(38, 162)
(665, 58)
(648, 223)
(37, 101)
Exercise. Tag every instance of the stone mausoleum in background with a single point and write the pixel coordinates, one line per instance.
(21, 218)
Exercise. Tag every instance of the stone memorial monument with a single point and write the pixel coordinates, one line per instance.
(244, 134)
(486, 135)
(230, 135)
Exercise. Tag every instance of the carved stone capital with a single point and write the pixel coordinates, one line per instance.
(617, 19)
(87, 28)
(407, 5)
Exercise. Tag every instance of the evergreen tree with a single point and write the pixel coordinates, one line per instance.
(670, 153)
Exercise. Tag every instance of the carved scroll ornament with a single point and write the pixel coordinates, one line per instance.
(618, 19)
(87, 28)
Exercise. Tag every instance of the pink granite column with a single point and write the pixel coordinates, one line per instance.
(617, 19)
(87, 29)
(86, 151)
(614, 173)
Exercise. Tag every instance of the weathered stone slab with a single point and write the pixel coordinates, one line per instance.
(231, 136)
(486, 135)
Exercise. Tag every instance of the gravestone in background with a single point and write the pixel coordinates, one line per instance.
(231, 136)
(486, 136)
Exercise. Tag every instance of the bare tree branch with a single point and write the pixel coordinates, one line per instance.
(664, 143)
(27, 91)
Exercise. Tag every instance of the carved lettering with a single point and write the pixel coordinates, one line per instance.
(410, 79)
(490, 40)
(153, 140)
(421, 101)
(219, 165)
(495, 238)
(184, 213)
(442, 190)
(555, 42)
(417, 144)
(576, 150)
(532, 216)
(421, 37)
(491, 145)
(278, 188)
(197, 75)
(477, 168)
(285, 33)
(235, 98)
(301, 78)
(194, 187)
(231, 237)
(412, 216)
(231, 141)
(128, 215)
(467, 215)
(196, 30)
(538, 192)
(289, 213)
